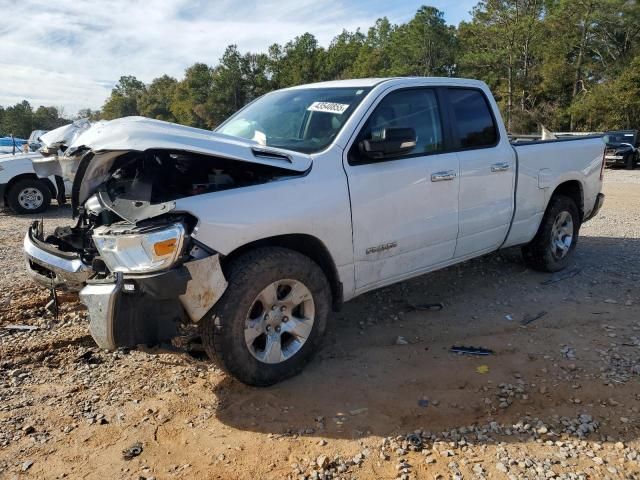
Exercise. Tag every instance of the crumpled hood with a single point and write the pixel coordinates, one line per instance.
(64, 135)
(140, 134)
(107, 140)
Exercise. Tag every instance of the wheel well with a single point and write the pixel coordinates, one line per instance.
(573, 190)
(307, 245)
(32, 176)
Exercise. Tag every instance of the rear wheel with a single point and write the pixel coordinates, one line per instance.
(29, 195)
(551, 248)
(271, 318)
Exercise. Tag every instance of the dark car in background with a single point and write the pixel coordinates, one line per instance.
(622, 148)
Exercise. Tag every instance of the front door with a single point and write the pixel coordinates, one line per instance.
(404, 207)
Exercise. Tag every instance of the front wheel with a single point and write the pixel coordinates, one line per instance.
(271, 318)
(551, 248)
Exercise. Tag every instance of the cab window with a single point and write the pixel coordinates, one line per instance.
(415, 109)
(473, 120)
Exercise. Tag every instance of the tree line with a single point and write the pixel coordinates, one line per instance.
(21, 119)
(566, 64)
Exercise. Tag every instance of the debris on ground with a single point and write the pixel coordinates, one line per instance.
(22, 328)
(358, 411)
(53, 307)
(471, 350)
(562, 275)
(415, 440)
(529, 319)
(423, 402)
(89, 358)
(401, 341)
(568, 352)
(482, 369)
(509, 318)
(426, 307)
(132, 452)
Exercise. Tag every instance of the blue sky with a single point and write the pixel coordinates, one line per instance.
(70, 53)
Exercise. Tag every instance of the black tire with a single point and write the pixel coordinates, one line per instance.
(630, 162)
(36, 185)
(222, 329)
(539, 254)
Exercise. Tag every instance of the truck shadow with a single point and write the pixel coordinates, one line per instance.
(577, 358)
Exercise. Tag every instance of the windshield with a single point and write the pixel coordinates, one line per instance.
(304, 120)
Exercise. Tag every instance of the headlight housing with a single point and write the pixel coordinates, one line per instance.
(139, 252)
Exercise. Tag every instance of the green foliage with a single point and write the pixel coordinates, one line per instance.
(48, 118)
(613, 105)
(567, 64)
(303, 61)
(190, 101)
(124, 98)
(20, 119)
(156, 100)
(425, 46)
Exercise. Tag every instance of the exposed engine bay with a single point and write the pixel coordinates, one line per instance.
(140, 192)
(159, 176)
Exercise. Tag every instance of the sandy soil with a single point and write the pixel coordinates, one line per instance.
(68, 410)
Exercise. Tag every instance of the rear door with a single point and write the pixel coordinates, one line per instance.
(405, 208)
(487, 172)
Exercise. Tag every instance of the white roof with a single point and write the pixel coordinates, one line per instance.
(372, 82)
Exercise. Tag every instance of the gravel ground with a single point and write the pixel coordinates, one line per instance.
(383, 399)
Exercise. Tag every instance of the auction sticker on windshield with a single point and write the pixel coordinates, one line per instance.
(328, 107)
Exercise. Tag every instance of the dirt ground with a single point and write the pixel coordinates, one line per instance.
(559, 398)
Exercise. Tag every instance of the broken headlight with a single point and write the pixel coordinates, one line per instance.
(139, 252)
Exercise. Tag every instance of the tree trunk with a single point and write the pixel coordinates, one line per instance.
(509, 93)
(580, 60)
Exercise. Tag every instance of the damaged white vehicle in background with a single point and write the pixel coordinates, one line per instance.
(21, 188)
(302, 200)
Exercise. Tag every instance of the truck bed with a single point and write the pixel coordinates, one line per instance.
(544, 164)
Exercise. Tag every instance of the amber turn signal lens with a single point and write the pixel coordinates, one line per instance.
(165, 247)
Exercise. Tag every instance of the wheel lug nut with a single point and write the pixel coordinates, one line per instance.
(285, 319)
(283, 308)
(268, 329)
(273, 307)
(278, 329)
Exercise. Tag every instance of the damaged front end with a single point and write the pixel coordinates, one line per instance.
(131, 254)
(139, 282)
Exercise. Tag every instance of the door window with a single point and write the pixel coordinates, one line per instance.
(416, 109)
(474, 122)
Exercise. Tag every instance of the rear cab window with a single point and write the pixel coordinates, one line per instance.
(473, 121)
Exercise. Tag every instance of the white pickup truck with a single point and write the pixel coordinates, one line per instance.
(304, 199)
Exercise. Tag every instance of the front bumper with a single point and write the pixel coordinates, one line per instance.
(129, 310)
(614, 159)
(51, 267)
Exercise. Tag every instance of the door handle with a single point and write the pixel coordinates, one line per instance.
(443, 176)
(500, 167)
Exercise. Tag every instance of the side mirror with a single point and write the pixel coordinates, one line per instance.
(389, 143)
